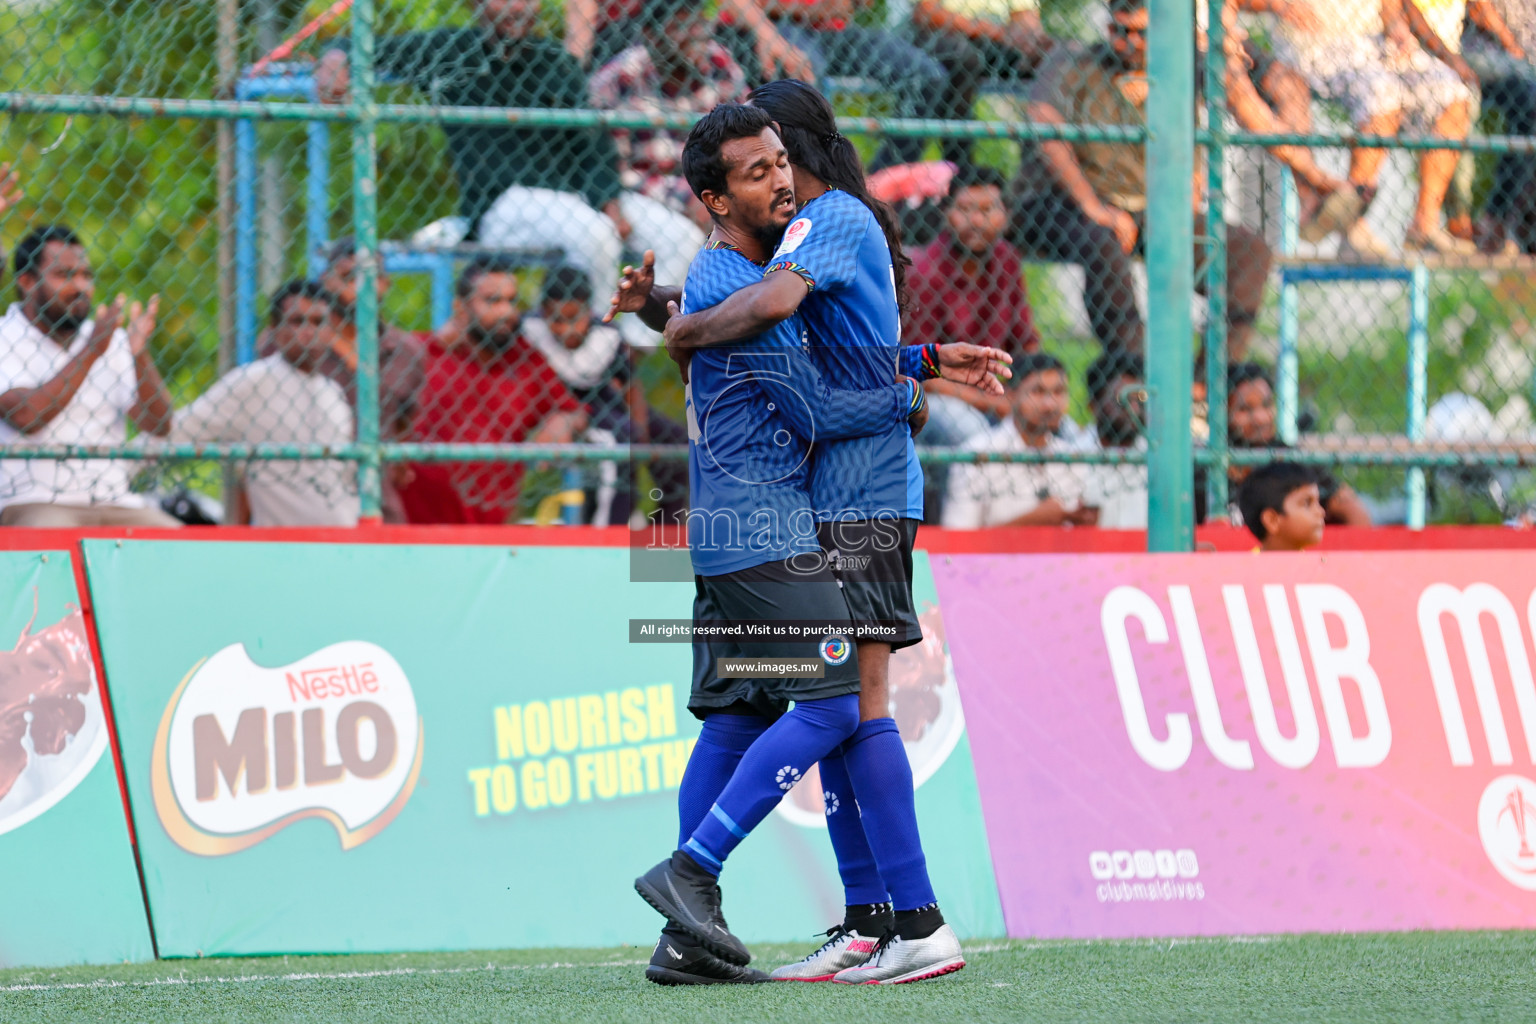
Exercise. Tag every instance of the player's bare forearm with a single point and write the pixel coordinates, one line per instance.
(750, 311)
(654, 313)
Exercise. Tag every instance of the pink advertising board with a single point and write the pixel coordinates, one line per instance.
(1235, 744)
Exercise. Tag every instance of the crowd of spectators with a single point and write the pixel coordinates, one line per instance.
(523, 358)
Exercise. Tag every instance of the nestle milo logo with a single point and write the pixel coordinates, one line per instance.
(243, 750)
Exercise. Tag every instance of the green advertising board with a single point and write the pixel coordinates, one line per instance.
(400, 747)
(71, 893)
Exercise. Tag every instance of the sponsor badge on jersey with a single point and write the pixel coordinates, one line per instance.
(797, 233)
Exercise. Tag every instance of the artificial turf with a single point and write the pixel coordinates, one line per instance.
(1377, 977)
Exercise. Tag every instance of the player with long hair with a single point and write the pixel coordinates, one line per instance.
(840, 268)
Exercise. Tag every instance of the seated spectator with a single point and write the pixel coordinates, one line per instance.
(1085, 202)
(523, 187)
(485, 384)
(825, 31)
(1117, 397)
(1022, 493)
(1488, 43)
(1251, 423)
(286, 398)
(1268, 97)
(976, 40)
(968, 285)
(400, 352)
(595, 32)
(594, 364)
(1281, 507)
(67, 378)
(676, 68)
(1390, 71)
(400, 362)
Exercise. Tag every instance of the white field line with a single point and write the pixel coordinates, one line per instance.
(239, 979)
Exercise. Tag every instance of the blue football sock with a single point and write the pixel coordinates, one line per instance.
(855, 860)
(722, 741)
(769, 769)
(882, 779)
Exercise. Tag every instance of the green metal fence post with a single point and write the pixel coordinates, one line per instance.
(1216, 268)
(365, 227)
(1170, 158)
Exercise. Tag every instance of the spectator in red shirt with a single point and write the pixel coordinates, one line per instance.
(968, 285)
(484, 384)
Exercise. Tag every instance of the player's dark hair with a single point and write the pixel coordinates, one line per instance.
(1267, 488)
(809, 130)
(1239, 374)
(29, 252)
(301, 289)
(973, 176)
(477, 268)
(1107, 371)
(703, 166)
(566, 283)
(1032, 363)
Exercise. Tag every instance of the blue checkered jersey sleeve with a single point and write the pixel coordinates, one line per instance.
(920, 362)
(816, 410)
(778, 362)
(822, 244)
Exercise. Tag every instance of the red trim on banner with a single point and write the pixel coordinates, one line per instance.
(88, 615)
(999, 540)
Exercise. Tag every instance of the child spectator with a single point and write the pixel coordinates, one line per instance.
(1281, 507)
(594, 363)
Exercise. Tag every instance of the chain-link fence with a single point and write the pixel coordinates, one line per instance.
(366, 247)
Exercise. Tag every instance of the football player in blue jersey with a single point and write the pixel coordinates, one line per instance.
(840, 269)
(754, 409)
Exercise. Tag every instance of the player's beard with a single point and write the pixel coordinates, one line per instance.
(770, 233)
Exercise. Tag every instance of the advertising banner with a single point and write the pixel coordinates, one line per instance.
(72, 893)
(1228, 744)
(357, 747)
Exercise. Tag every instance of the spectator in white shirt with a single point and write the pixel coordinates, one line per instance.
(286, 398)
(69, 379)
(1024, 494)
(1117, 398)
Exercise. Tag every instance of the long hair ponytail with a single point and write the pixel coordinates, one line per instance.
(809, 131)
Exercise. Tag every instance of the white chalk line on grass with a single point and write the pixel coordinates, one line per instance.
(238, 979)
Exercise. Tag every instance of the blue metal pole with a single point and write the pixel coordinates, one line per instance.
(318, 202)
(1170, 162)
(245, 240)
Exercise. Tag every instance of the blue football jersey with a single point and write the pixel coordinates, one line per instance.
(837, 246)
(755, 409)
